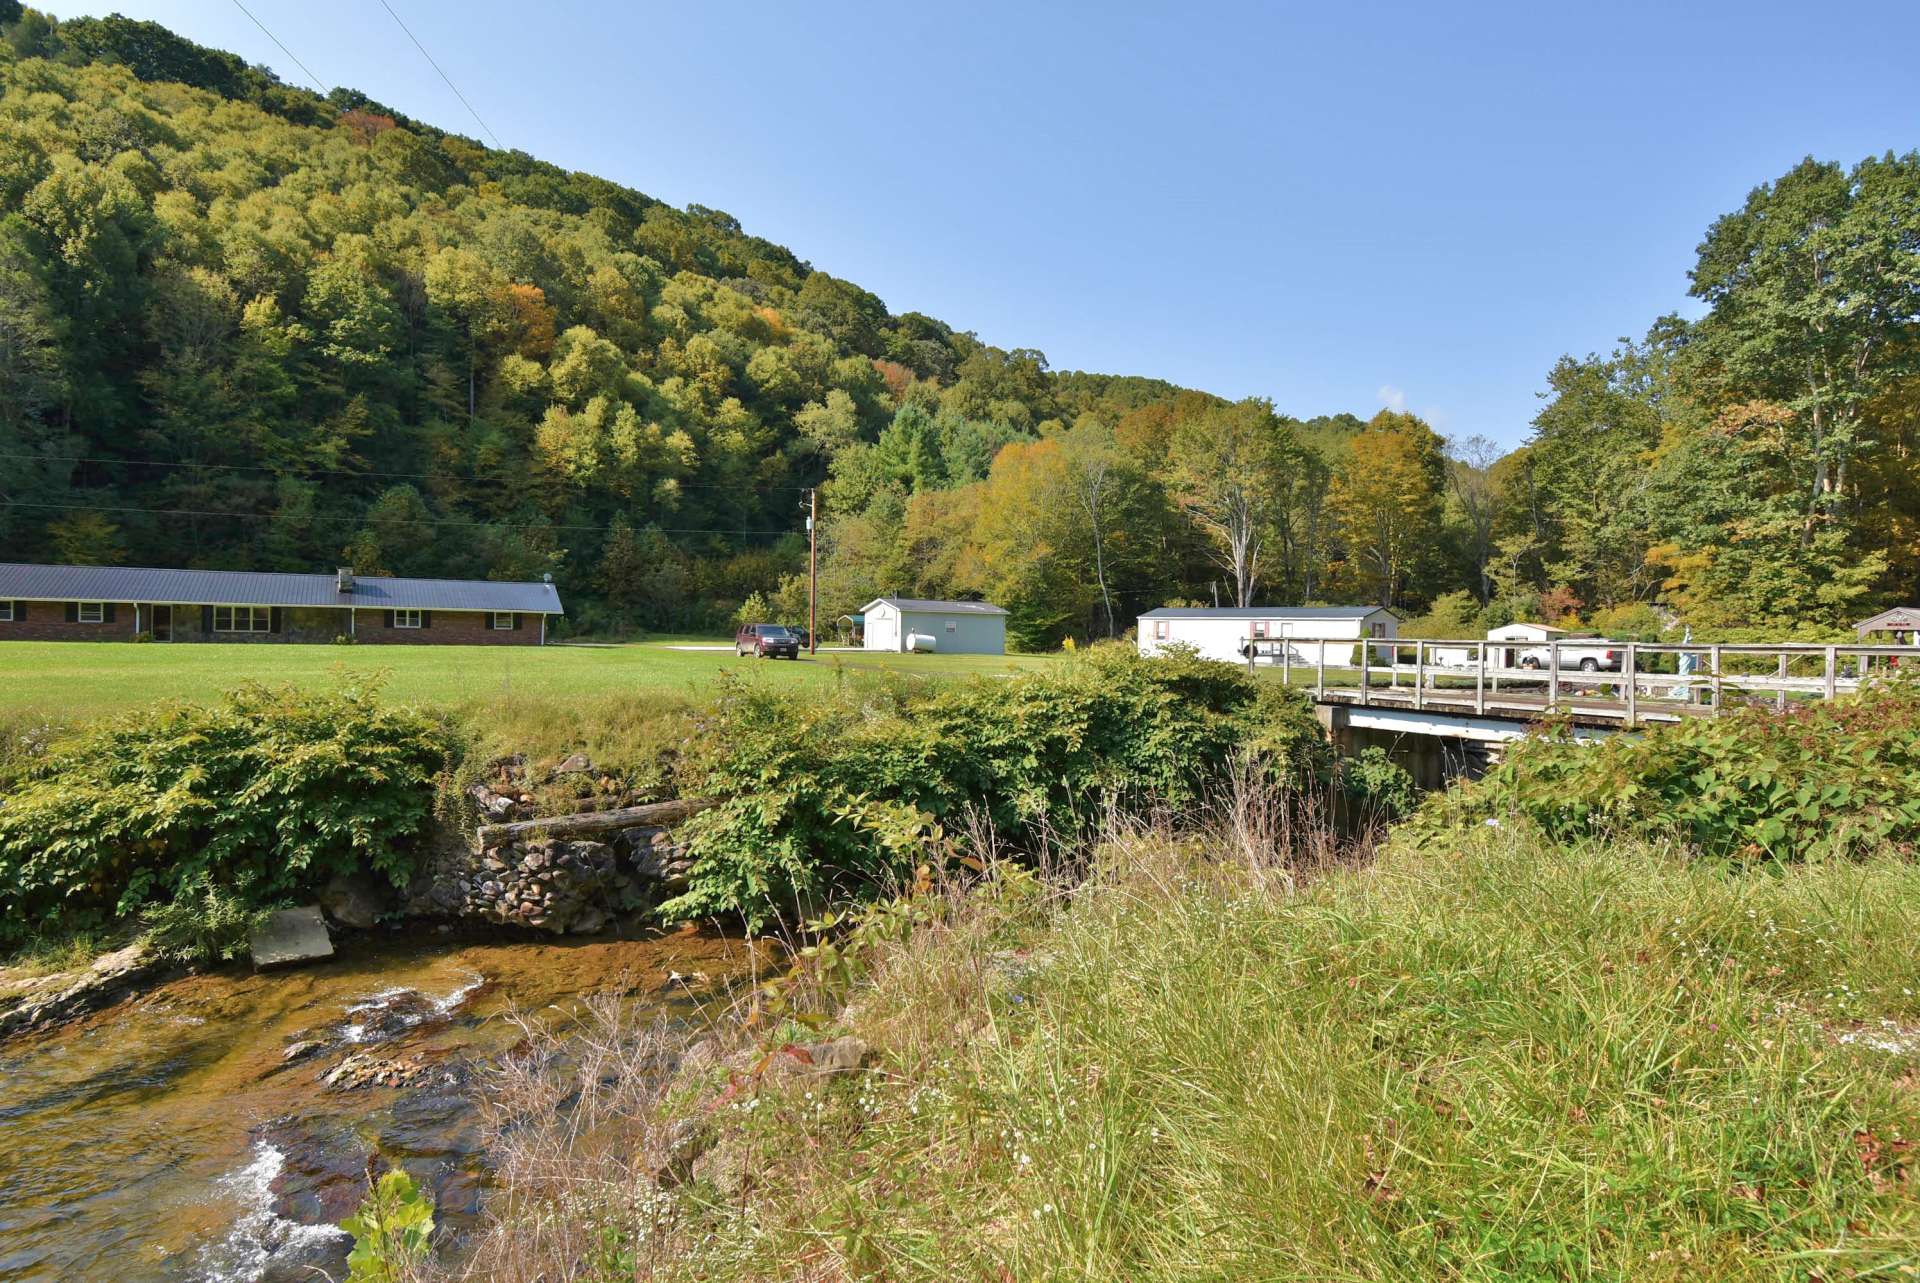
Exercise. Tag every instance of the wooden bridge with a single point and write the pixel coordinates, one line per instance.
(1493, 691)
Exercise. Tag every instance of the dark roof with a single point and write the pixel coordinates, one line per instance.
(1267, 612)
(266, 588)
(925, 607)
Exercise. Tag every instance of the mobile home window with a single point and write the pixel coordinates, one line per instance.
(1159, 630)
(949, 625)
(406, 619)
(1259, 628)
(92, 612)
(503, 620)
(6, 612)
(242, 619)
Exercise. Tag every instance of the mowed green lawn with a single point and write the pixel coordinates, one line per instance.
(69, 679)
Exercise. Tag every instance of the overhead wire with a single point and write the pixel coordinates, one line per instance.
(283, 48)
(443, 75)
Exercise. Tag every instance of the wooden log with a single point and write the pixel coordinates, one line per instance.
(654, 814)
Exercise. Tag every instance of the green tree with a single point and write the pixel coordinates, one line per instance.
(1224, 467)
(1386, 502)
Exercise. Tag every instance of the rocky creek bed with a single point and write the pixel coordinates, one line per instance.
(216, 1126)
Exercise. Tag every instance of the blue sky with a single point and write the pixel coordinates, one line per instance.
(1337, 207)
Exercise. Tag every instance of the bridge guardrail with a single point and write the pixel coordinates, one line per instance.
(1664, 680)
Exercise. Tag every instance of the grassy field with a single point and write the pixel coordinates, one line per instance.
(1510, 1060)
(67, 679)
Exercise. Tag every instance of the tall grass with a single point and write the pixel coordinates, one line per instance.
(1511, 1060)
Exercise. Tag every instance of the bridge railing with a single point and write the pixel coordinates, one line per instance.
(1624, 680)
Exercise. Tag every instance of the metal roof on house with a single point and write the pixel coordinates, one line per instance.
(267, 588)
(923, 607)
(1899, 617)
(1267, 612)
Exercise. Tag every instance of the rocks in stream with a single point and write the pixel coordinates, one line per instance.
(364, 1069)
(38, 1002)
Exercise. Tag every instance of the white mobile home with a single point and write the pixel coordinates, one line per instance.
(945, 627)
(1226, 632)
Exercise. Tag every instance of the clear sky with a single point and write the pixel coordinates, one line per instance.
(1335, 206)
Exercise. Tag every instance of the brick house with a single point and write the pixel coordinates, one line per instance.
(118, 603)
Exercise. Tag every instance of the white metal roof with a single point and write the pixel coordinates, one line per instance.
(921, 606)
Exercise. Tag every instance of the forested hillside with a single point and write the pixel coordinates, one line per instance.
(244, 325)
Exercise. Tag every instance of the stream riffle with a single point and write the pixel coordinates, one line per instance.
(171, 1138)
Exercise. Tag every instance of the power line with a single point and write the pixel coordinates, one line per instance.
(283, 49)
(443, 75)
(409, 521)
(336, 472)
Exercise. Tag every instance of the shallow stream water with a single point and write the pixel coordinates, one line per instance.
(169, 1138)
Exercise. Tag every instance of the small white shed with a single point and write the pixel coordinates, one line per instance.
(1223, 632)
(1532, 634)
(1498, 656)
(944, 627)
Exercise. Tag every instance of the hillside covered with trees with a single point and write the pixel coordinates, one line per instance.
(242, 325)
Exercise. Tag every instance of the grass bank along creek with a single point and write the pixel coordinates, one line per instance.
(170, 1137)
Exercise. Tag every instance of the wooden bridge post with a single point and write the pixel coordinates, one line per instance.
(1833, 673)
(1714, 651)
(1419, 674)
(1366, 670)
(1286, 661)
(1480, 681)
(1320, 677)
(1629, 673)
(1553, 676)
(1780, 691)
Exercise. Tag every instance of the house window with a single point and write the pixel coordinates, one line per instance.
(949, 625)
(1259, 628)
(406, 619)
(1159, 630)
(1376, 630)
(6, 612)
(503, 620)
(92, 612)
(242, 619)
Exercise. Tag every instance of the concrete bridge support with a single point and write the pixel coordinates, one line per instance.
(1434, 757)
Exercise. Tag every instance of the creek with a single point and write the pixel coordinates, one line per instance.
(170, 1138)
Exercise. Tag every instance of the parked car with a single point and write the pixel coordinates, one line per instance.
(768, 641)
(1586, 656)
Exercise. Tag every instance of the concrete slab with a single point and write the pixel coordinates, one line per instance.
(291, 935)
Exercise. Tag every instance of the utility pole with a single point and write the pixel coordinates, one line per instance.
(813, 570)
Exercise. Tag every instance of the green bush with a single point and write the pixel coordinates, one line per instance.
(1377, 787)
(263, 795)
(821, 794)
(1817, 781)
(202, 923)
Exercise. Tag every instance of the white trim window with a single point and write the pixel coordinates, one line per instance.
(6, 611)
(407, 619)
(242, 619)
(502, 621)
(91, 612)
(1159, 630)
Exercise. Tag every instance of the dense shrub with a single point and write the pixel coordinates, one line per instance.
(821, 794)
(1817, 781)
(252, 799)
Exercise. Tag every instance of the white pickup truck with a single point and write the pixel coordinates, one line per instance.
(1577, 654)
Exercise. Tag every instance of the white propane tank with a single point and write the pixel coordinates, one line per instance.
(920, 643)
